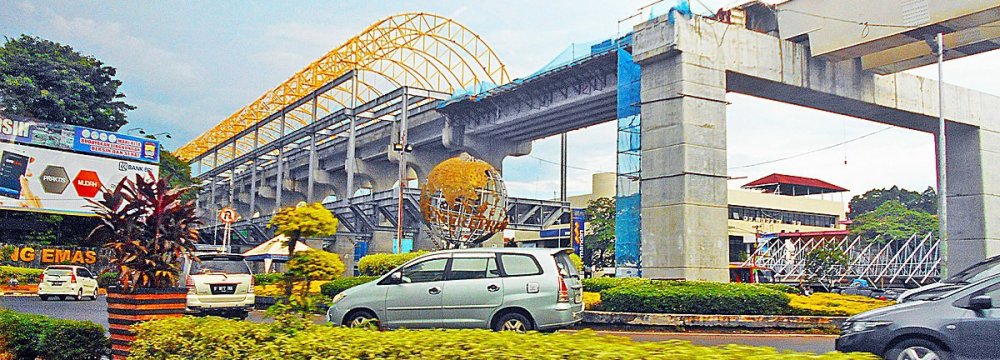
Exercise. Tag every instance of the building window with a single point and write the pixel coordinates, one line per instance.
(753, 214)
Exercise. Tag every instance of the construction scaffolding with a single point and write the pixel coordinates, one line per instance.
(894, 263)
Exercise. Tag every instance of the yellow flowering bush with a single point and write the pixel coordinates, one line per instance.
(829, 304)
(217, 338)
(591, 300)
(278, 289)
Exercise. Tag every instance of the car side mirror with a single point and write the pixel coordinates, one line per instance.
(981, 303)
(396, 278)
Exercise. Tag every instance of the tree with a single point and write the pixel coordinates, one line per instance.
(302, 221)
(311, 265)
(823, 261)
(52, 82)
(178, 172)
(599, 239)
(893, 221)
(869, 201)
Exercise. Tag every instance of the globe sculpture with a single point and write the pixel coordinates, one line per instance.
(464, 202)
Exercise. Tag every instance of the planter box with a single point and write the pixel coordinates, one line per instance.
(128, 309)
(725, 321)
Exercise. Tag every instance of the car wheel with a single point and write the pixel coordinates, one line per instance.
(242, 315)
(44, 297)
(79, 295)
(94, 298)
(513, 322)
(359, 318)
(917, 349)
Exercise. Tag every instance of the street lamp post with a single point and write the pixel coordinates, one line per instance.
(942, 160)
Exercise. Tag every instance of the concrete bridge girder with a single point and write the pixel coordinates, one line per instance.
(687, 68)
(491, 150)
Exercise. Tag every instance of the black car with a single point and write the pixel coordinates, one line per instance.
(961, 324)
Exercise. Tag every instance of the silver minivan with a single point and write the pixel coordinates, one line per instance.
(510, 289)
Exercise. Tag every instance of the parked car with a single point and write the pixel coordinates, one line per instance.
(960, 324)
(861, 287)
(67, 281)
(979, 271)
(218, 284)
(504, 289)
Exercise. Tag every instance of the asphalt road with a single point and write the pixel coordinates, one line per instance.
(96, 311)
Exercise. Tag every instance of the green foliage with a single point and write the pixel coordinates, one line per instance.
(24, 276)
(28, 336)
(787, 289)
(267, 279)
(339, 285)
(216, 338)
(313, 265)
(599, 237)
(691, 297)
(893, 221)
(871, 200)
(381, 264)
(825, 261)
(147, 230)
(52, 82)
(108, 279)
(178, 172)
(577, 262)
(603, 283)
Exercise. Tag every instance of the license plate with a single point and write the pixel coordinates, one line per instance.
(57, 283)
(223, 289)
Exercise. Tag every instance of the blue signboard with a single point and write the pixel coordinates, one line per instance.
(111, 144)
(25, 131)
(576, 230)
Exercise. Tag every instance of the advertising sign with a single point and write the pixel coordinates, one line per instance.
(46, 180)
(26, 131)
(576, 230)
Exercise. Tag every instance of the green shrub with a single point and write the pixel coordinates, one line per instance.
(380, 264)
(28, 336)
(216, 338)
(787, 289)
(603, 283)
(108, 279)
(24, 276)
(337, 286)
(268, 279)
(690, 297)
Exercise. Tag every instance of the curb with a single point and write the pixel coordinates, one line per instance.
(721, 321)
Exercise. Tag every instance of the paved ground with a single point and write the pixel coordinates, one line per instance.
(96, 311)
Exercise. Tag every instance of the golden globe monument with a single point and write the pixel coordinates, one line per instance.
(464, 202)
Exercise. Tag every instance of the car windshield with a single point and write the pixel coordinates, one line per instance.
(220, 266)
(976, 272)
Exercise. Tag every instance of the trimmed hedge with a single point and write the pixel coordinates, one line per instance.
(216, 338)
(828, 304)
(24, 276)
(604, 283)
(380, 264)
(339, 285)
(28, 336)
(692, 297)
(268, 279)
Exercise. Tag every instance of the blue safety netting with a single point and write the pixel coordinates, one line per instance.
(628, 204)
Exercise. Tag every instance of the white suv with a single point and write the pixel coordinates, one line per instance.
(67, 281)
(219, 284)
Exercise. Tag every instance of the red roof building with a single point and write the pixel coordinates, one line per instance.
(781, 184)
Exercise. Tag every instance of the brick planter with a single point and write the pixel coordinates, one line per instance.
(127, 309)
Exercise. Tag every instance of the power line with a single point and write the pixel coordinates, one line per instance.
(569, 166)
(862, 23)
(812, 151)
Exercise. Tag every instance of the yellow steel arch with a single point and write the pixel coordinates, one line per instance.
(413, 49)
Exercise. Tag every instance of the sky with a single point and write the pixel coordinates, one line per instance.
(188, 65)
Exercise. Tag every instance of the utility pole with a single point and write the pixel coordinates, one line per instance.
(403, 147)
(562, 167)
(942, 163)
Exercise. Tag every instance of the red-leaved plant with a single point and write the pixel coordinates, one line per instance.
(147, 230)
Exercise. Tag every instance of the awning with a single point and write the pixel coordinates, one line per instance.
(793, 185)
(273, 249)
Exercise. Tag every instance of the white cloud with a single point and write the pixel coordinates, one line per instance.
(135, 57)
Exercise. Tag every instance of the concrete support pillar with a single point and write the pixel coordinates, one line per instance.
(492, 151)
(683, 185)
(383, 174)
(973, 190)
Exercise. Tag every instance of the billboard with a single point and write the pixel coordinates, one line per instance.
(46, 180)
(80, 139)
